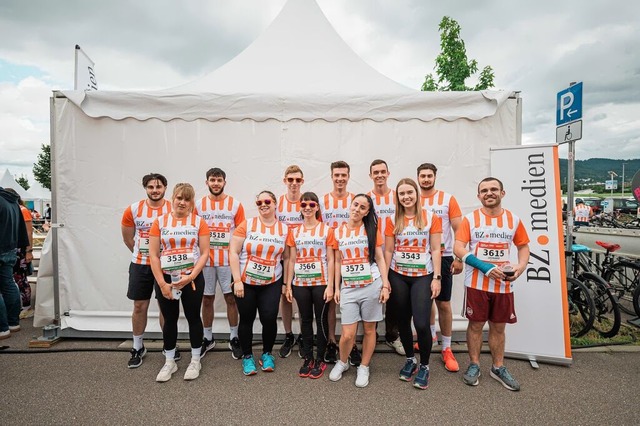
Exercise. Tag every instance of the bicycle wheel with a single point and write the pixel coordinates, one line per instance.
(624, 277)
(582, 310)
(636, 300)
(607, 319)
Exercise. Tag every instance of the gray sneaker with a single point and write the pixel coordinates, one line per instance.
(505, 378)
(471, 377)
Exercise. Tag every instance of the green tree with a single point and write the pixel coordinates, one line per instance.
(452, 66)
(23, 182)
(42, 167)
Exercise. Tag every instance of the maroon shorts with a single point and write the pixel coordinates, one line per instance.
(483, 306)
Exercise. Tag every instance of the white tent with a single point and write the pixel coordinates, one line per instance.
(7, 181)
(297, 95)
(40, 197)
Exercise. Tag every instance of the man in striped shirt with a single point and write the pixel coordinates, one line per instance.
(136, 222)
(490, 233)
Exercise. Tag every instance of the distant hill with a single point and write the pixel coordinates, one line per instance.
(597, 169)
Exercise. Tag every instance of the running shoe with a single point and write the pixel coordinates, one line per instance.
(450, 362)
(409, 369)
(136, 357)
(472, 376)
(193, 370)
(306, 368)
(396, 345)
(5, 334)
(318, 369)
(338, 369)
(167, 370)
(249, 365)
(268, 362)
(287, 346)
(14, 328)
(236, 349)
(362, 377)
(505, 378)
(421, 381)
(355, 357)
(331, 354)
(207, 345)
(299, 343)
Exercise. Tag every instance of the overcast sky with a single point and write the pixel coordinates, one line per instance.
(536, 48)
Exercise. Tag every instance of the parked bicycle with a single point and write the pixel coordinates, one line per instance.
(624, 276)
(582, 309)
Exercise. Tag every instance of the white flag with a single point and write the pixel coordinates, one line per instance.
(85, 76)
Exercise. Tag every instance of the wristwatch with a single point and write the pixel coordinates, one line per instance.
(437, 277)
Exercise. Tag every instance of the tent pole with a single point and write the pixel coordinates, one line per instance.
(54, 215)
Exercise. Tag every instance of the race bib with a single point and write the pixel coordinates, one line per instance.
(411, 259)
(219, 237)
(495, 253)
(143, 242)
(356, 271)
(177, 259)
(260, 271)
(308, 269)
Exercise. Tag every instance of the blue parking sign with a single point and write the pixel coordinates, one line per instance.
(569, 105)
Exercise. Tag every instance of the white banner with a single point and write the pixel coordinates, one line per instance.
(85, 76)
(531, 180)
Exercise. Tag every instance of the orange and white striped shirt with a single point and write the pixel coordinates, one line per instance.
(581, 213)
(490, 239)
(335, 211)
(447, 208)
(262, 249)
(311, 267)
(179, 240)
(222, 217)
(141, 216)
(289, 212)
(26, 214)
(385, 206)
(355, 269)
(412, 250)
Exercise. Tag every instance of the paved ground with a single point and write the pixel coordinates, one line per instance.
(76, 386)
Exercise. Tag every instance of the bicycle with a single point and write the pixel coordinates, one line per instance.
(607, 313)
(624, 277)
(582, 309)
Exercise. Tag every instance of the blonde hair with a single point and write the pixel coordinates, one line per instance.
(419, 220)
(293, 169)
(185, 190)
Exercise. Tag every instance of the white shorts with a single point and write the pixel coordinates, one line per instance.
(361, 303)
(219, 274)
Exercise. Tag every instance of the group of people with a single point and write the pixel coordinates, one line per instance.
(358, 252)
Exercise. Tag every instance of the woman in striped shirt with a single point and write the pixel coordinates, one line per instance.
(176, 241)
(255, 253)
(312, 264)
(412, 251)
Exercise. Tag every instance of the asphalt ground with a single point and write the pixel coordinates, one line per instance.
(87, 382)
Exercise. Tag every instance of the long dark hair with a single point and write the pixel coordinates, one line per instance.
(370, 222)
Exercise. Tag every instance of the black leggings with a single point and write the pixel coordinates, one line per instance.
(265, 300)
(311, 299)
(412, 297)
(191, 302)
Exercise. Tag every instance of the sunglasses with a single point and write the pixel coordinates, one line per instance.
(311, 205)
(296, 180)
(266, 202)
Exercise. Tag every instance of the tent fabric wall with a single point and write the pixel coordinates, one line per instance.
(99, 163)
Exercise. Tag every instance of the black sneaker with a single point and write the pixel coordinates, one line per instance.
(331, 353)
(299, 343)
(136, 357)
(236, 349)
(355, 357)
(318, 369)
(306, 368)
(287, 346)
(207, 345)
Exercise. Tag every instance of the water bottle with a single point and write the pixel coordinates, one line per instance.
(175, 277)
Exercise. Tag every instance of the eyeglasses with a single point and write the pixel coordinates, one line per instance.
(296, 180)
(311, 205)
(266, 202)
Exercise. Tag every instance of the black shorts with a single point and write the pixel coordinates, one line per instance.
(140, 282)
(447, 279)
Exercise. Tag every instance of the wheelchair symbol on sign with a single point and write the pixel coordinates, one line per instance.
(567, 136)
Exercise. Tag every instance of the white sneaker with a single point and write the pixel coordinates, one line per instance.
(167, 370)
(397, 346)
(338, 369)
(193, 370)
(5, 334)
(362, 379)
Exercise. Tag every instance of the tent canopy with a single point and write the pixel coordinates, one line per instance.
(7, 181)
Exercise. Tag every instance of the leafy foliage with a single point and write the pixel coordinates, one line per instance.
(452, 66)
(23, 182)
(42, 167)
